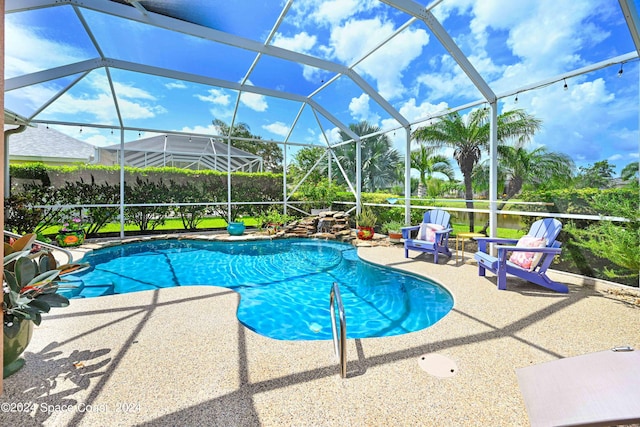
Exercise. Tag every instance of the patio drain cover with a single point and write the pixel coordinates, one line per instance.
(438, 365)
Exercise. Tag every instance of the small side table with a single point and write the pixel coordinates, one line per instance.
(461, 237)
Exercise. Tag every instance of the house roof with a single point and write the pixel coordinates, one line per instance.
(46, 144)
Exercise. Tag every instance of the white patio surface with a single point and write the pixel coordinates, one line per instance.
(179, 356)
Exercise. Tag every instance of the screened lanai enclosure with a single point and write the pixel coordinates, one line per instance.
(183, 152)
(265, 82)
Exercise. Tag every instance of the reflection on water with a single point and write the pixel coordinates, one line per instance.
(504, 221)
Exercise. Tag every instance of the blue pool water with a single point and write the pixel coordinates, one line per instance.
(284, 284)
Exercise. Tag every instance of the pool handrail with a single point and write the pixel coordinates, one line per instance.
(68, 254)
(339, 345)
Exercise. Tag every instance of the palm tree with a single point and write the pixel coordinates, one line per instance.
(379, 158)
(426, 162)
(518, 166)
(470, 136)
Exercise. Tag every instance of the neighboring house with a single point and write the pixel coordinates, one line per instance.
(46, 145)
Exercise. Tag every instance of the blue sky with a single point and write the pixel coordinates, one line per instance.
(511, 44)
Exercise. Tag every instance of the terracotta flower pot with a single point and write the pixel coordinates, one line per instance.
(395, 237)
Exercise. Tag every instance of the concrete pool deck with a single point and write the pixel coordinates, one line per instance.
(179, 356)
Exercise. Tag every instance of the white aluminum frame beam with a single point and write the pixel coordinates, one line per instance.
(52, 74)
(189, 28)
(633, 22)
(420, 12)
(58, 72)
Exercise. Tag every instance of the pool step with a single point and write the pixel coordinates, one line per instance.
(90, 291)
(80, 290)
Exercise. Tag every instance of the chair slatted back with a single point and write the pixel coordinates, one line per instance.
(549, 228)
(437, 216)
(546, 260)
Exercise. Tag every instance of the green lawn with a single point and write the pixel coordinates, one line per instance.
(507, 233)
(208, 223)
(169, 224)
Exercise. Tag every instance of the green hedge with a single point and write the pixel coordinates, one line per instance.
(87, 184)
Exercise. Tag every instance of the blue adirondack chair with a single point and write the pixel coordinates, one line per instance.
(439, 245)
(549, 228)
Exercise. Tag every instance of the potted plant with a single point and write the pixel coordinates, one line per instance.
(72, 233)
(273, 220)
(365, 222)
(28, 293)
(394, 230)
(30, 286)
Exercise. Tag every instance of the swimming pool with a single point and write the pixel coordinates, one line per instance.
(284, 284)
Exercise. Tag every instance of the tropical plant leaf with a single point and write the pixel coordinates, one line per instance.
(10, 278)
(54, 300)
(40, 304)
(45, 277)
(14, 256)
(47, 262)
(25, 271)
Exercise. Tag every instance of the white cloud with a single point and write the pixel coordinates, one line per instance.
(96, 100)
(100, 140)
(359, 108)
(448, 81)
(176, 85)
(254, 101)
(301, 42)
(221, 103)
(26, 51)
(215, 96)
(100, 102)
(101, 106)
(561, 32)
(327, 13)
(333, 12)
(312, 74)
(277, 128)
(130, 92)
(333, 135)
(204, 130)
(575, 121)
(387, 65)
(413, 112)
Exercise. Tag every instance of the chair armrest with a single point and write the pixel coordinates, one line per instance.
(444, 231)
(546, 250)
(406, 231)
(482, 242)
(503, 250)
(411, 227)
(495, 240)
